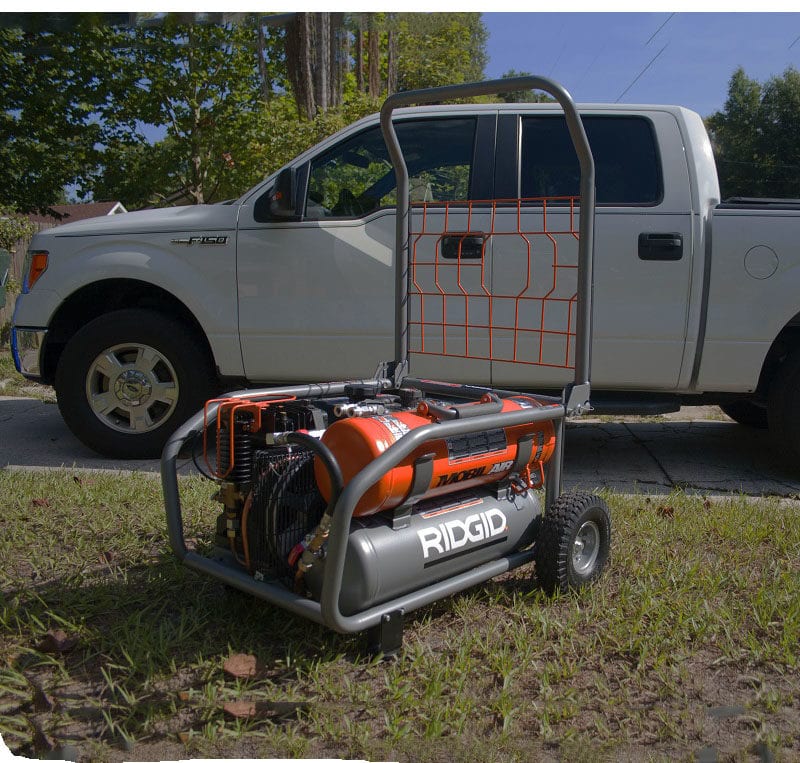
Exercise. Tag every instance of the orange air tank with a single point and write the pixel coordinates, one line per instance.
(458, 462)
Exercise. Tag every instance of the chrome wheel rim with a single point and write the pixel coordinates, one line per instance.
(586, 547)
(132, 388)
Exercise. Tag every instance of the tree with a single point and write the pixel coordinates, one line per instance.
(522, 96)
(81, 102)
(201, 84)
(756, 136)
(407, 51)
(436, 49)
(315, 60)
(50, 102)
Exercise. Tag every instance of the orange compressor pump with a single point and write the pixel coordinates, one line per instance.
(452, 464)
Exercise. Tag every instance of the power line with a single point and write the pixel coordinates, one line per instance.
(795, 40)
(662, 26)
(638, 76)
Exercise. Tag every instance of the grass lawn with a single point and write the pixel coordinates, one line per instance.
(14, 384)
(688, 645)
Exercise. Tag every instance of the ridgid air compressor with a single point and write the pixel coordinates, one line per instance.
(352, 503)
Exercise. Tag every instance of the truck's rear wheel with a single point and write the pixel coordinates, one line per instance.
(783, 411)
(128, 379)
(573, 543)
(747, 413)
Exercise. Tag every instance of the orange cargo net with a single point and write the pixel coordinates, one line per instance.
(495, 280)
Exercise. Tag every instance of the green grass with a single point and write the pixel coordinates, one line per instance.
(13, 384)
(689, 641)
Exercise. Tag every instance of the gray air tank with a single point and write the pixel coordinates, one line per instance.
(441, 538)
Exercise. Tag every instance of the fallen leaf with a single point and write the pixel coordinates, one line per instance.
(106, 557)
(57, 641)
(40, 503)
(240, 709)
(707, 504)
(184, 736)
(241, 666)
(666, 511)
(183, 696)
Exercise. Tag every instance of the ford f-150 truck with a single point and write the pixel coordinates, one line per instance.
(138, 319)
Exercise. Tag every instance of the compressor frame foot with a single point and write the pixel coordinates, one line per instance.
(386, 638)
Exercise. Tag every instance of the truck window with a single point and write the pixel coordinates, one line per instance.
(627, 167)
(356, 177)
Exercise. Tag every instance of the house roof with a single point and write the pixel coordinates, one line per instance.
(72, 212)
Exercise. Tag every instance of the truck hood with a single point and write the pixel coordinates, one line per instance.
(201, 218)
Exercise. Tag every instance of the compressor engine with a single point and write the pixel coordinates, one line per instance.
(452, 504)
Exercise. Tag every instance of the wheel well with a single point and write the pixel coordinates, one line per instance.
(787, 341)
(106, 296)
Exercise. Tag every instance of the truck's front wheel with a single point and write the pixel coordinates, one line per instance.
(783, 411)
(128, 379)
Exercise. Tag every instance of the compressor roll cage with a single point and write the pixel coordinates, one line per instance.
(386, 618)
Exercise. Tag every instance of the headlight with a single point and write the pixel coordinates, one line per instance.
(35, 265)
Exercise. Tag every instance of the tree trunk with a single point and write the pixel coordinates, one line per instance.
(314, 60)
(374, 57)
(340, 55)
(391, 62)
(360, 55)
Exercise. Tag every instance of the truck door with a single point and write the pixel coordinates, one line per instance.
(643, 249)
(316, 295)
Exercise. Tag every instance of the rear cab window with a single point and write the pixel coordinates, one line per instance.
(626, 155)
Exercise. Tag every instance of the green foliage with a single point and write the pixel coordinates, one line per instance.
(79, 101)
(438, 49)
(522, 96)
(13, 228)
(756, 136)
(202, 85)
(50, 100)
(278, 135)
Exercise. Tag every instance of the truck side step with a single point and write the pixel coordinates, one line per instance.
(611, 404)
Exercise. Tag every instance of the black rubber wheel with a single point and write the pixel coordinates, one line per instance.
(128, 379)
(573, 543)
(783, 412)
(747, 413)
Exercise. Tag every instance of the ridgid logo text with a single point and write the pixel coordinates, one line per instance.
(457, 533)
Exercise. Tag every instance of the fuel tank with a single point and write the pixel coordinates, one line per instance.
(442, 537)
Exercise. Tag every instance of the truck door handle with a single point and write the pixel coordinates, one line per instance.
(464, 246)
(660, 246)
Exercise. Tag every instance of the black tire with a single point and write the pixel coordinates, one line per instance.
(747, 413)
(574, 542)
(128, 379)
(783, 412)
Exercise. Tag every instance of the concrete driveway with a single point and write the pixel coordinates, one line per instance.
(698, 449)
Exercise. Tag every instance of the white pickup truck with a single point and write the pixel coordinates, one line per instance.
(137, 319)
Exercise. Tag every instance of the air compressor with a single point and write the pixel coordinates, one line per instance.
(352, 503)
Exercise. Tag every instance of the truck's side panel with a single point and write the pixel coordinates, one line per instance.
(641, 299)
(754, 292)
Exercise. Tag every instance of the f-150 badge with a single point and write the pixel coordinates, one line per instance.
(202, 240)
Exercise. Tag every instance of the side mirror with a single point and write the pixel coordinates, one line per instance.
(282, 198)
(279, 203)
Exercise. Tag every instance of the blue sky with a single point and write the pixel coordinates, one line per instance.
(681, 58)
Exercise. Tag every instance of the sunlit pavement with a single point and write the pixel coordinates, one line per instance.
(697, 450)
